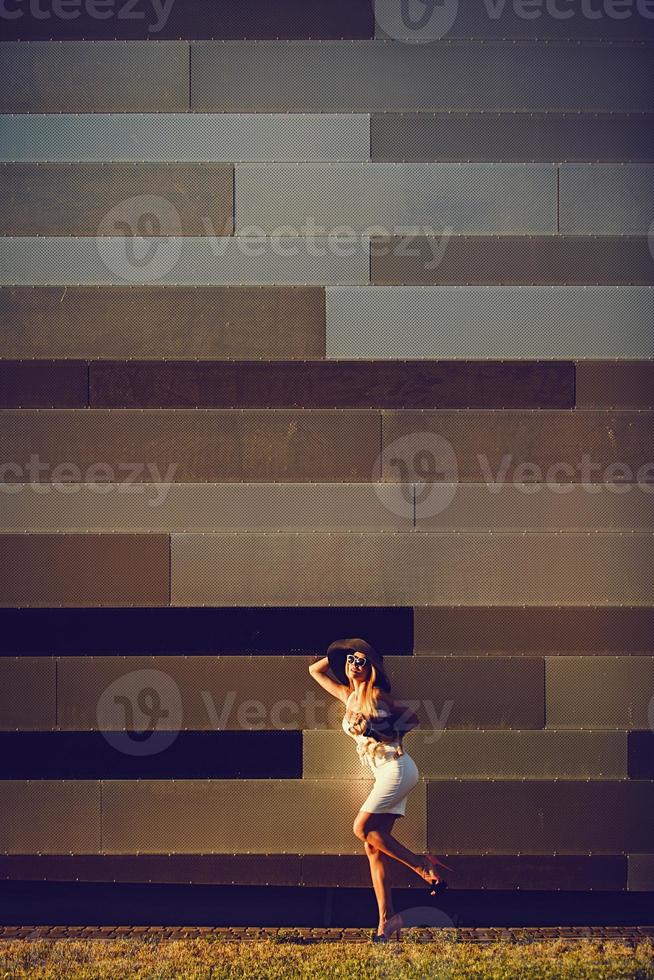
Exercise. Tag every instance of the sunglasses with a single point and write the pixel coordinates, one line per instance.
(357, 661)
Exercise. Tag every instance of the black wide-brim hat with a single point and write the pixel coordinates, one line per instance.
(338, 651)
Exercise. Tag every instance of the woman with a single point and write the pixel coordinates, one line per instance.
(377, 723)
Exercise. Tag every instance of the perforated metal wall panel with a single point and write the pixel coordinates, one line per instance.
(194, 261)
(512, 322)
(189, 446)
(641, 873)
(140, 76)
(511, 136)
(446, 754)
(426, 568)
(378, 198)
(153, 816)
(104, 198)
(206, 507)
(382, 76)
(615, 384)
(605, 198)
(44, 384)
(184, 137)
(84, 569)
(599, 692)
(49, 816)
(162, 321)
(27, 693)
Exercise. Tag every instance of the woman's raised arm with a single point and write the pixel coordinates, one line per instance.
(318, 670)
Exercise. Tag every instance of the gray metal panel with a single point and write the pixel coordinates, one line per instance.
(207, 507)
(599, 692)
(183, 137)
(75, 76)
(413, 568)
(513, 322)
(448, 754)
(50, 816)
(641, 873)
(193, 261)
(381, 76)
(380, 198)
(27, 693)
(535, 506)
(234, 816)
(607, 199)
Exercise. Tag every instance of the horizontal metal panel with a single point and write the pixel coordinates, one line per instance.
(43, 384)
(273, 693)
(382, 76)
(104, 198)
(190, 19)
(179, 137)
(135, 77)
(284, 630)
(641, 873)
(49, 816)
(535, 507)
(519, 629)
(162, 321)
(605, 198)
(27, 693)
(608, 22)
(615, 384)
(331, 384)
(85, 569)
(599, 692)
(512, 260)
(206, 507)
(152, 816)
(366, 197)
(512, 136)
(425, 568)
(519, 448)
(28, 261)
(536, 816)
(640, 752)
(443, 754)
(127, 446)
(516, 322)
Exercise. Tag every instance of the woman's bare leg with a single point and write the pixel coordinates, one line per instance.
(381, 882)
(373, 828)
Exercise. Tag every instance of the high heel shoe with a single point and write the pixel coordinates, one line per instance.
(437, 886)
(392, 926)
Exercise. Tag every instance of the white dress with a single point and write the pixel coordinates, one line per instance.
(394, 770)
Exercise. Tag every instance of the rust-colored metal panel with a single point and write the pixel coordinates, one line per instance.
(332, 384)
(50, 816)
(350, 871)
(43, 384)
(193, 446)
(641, 873)
(615, 384)
(599, 692)
(163, 321)
(555, 630)
(233, 816)
(85, 569)
(538, 260)
(27, 693)
(103, 199)
(550, 446)
(537, 816)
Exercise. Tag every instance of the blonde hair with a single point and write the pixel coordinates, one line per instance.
(370, 696)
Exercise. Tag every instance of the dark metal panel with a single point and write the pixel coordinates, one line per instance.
(194, 446)
(382, 76)
(599, 692)
(49, 816)
(536, 816)
(105, 77)
(332, 384)
(162, 321)
(512, 260)
(150, 199)
(615, 384)
(43, 384)
(85, 569)
(640, 748)
(555, 630)
(196, 19)
(18, 677)
(348, 871)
